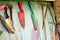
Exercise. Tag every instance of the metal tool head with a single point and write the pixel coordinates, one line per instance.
(21, 19)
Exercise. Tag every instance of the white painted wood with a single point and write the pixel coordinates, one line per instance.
(25, 34)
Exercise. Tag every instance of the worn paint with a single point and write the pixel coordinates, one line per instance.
(25, 34)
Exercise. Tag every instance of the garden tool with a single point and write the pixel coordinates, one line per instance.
(7, 22)
(2, 7)
(44, 17)
(21, 15)
(35, 31)
(10, 8)
(52, 19)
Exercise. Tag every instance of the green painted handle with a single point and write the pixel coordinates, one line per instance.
(32, 15)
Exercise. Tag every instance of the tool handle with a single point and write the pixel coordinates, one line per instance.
(20, 6)
(2, 7)
(21, 15)
(30, 5)
(10, 6)
(5, 13)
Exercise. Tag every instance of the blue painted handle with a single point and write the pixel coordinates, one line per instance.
(32, 15)
(30, 6)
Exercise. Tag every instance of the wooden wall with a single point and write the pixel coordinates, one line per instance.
(25, 34)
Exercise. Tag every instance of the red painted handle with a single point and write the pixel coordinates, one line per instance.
(20, 6)
(2, 7)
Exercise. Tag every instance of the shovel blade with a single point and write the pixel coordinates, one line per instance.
(21, 19)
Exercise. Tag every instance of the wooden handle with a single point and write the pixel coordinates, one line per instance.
(10, 8)
(5, 13)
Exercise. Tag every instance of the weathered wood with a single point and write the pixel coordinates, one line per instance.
(25, 34)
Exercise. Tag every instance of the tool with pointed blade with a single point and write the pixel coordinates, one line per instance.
(21, 15)
(8, 20)
(6, 25)
(10, 6)
(35, 31)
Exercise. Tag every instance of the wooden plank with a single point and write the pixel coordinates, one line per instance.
(57, 7)
(25, 34)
